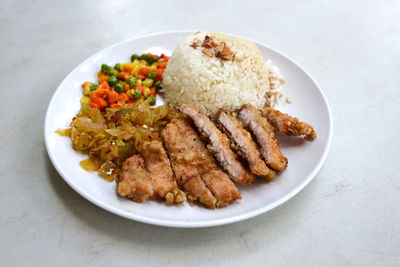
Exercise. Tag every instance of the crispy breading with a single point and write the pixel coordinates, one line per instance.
(187, 175)
(162, 177)
(197, 155)
(246, 146)
(219, 145)
(265, 135)
(134, 181)
(288, 125)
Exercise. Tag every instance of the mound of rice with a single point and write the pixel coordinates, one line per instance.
(211, 82)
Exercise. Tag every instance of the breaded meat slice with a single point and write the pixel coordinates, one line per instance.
(245, 144)
(186, 173)
(219, 145)
(134, 181)
(162, 177)
(289, 125)
(265, 135)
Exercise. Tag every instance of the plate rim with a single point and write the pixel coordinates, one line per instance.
(190, 224)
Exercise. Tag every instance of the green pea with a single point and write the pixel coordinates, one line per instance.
(112, 73)
(151, 75)
(137, 94)
(144, 57)
(112, 80)
(132, 81)
(117, 67)
(152, 101)
(105, 68)
(158, 85)
(135, 56)
(119, 88)
(93, 86)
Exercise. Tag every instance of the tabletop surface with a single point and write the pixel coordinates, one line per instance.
(347, 216)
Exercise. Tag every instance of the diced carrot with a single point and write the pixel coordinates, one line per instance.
(153, 91)
(103, 78)
(94, 105)
(123, 97)
(94, 95)
(100, 102)
(115, 105)
(112, 96)
(122, 75)
(143, 71)
(159, 74)
(103, 88)
(126, 87)
(162, 65)
(99, 74)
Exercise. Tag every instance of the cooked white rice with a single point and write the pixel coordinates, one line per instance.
(211, 83)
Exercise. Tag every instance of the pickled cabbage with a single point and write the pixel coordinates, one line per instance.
(114, 134)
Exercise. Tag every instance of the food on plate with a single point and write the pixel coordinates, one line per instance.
(112, 135)
(134, 181)
(246, 147)
(211, 70)
(187, 152)
(187, 175)
(265, 136)
(219, 145)
(126, 82)
(149, 175)
(159, 168)
(288, 125)
(195, 154)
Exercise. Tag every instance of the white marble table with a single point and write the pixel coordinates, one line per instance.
(348, 216)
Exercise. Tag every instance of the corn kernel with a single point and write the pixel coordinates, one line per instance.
(146, 91)
(147, 82)
(85, 100)
(139, 81)
(136, 69)
(129, 93)
(86, 90)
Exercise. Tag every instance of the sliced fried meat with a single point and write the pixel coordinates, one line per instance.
(162, 177)
(187, 175)
(247, 147)
(219, 146)
(265, 135)
(134, 181)
(196, 155)
(288, 125)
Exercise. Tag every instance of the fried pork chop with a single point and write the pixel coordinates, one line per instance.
(246, 146)
(162, 177)
(265, 135)
(219, 146)
(288, 125)
(195, 168)
(149, 175)
(134, 181)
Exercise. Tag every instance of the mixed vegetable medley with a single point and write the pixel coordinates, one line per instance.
(126, 83)
(115, 118)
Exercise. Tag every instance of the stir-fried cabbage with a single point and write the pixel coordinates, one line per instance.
(112, 135)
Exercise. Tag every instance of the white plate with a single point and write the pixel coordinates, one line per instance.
(305, 158)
